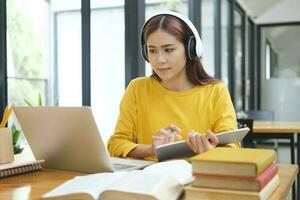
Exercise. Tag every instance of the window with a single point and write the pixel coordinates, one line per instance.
(27, 47)
(107, 63)
(225, 9)
(280, 70)
(208, 34)
(66, 58)
(238, 59)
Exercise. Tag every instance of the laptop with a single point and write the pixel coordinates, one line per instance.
(67, 138)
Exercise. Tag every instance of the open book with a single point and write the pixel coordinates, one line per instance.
(181, 149)
(158, 181)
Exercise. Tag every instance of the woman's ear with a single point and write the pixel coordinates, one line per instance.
(145, 52)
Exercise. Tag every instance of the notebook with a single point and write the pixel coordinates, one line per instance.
(67, 138)
(19, 167)
(181, 149)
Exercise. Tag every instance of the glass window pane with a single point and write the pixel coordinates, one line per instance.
(224, 40)
(154, 6)
(238, 55)
(44, 52)
(27, 49)
(67, 52)
(280, 71)
(69, 58)
(27, 56)
(207, 32)
(107, 62)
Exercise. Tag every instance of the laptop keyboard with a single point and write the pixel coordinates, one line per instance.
(118, 167)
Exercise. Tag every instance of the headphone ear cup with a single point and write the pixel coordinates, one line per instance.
(145, 52)
(190, 47)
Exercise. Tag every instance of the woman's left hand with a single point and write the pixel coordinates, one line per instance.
(200, 143)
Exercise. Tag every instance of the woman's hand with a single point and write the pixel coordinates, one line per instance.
(166, 135)
(200, 143)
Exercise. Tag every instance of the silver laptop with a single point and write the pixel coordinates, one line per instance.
(67, 138)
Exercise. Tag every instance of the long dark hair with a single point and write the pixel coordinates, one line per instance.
(174, 26)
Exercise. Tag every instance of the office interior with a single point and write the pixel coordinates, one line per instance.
(84, 53)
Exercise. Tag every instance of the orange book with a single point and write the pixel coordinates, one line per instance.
(233, 161)
(237, 182)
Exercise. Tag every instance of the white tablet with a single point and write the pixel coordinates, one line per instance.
(182, 149)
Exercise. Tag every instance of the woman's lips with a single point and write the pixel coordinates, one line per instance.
(163, 69)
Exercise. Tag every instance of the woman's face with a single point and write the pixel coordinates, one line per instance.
(166, 55)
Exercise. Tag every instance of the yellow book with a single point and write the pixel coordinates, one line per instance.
(233, 161)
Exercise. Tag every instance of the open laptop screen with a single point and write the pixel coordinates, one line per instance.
(65, 137)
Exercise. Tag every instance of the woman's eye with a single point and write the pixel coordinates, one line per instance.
(151, 51)
(169, 50)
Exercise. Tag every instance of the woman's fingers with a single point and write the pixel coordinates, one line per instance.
(200, 143)
(165, 135)
(206, 143)
(171, 133)
(213, 138)
(200, 138)
(173, 128)
(193, 142)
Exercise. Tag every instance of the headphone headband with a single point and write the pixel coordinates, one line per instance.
(198, 45)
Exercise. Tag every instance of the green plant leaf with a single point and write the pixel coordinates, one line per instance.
(18, 149)
(16, 135)
(27, 102)
(40, 100)
(57, 102)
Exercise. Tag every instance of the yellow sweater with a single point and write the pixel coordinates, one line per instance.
(147, 107)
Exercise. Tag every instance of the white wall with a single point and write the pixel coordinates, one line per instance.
(281, 95)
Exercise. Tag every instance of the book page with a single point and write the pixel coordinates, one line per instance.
(92, 184)
(181, 170)
(144, 183)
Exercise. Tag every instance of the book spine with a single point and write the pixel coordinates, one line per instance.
(192, 193)
(266, 192)
(20, 170)
(264, 163)
(200, 175)
(266, 176)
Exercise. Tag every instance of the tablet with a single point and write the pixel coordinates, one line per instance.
(181, 149)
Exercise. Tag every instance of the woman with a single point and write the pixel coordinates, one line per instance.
(179, 101)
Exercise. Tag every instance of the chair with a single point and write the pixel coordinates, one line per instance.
(260, 115)
(263, 115)
(247, 141)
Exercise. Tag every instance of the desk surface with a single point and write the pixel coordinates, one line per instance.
(275, 127)
(34, 185)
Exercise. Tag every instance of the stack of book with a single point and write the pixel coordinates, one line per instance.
(233, 173)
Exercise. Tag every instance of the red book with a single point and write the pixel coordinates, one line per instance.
(236, 182)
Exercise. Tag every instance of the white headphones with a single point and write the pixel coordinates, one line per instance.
(193, 45)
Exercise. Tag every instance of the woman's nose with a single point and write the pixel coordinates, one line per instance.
(161, 57)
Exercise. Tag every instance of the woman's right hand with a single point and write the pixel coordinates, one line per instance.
(165, 136)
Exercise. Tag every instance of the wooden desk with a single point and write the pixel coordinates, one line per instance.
(34, 185)
(275, 127)
(278, 130)
(287, 176)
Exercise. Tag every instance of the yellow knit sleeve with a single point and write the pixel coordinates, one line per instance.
(223, 112)
(124, 139)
